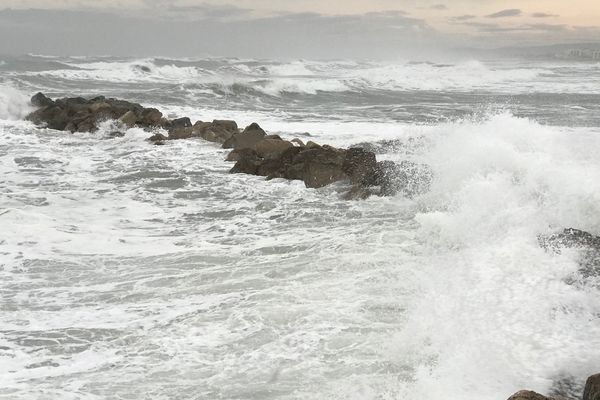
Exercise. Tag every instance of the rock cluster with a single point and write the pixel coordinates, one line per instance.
(77, 114)
(253, 150)
(591, 392)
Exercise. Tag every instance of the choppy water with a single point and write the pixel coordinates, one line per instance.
(130, 271)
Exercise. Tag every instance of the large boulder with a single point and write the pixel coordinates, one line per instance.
(40, 100)
(217, 131)
(319, 167)
(592, 388)
(271, 148)
(528, 395)
(360, 165)
(245, 139)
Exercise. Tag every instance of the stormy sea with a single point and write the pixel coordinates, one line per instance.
(133, 271)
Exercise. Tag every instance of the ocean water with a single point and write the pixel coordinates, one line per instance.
(131, 271)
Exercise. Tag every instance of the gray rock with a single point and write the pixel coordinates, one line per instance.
(592, 388)
(528, 395)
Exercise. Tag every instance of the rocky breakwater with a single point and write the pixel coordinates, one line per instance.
(253, 150)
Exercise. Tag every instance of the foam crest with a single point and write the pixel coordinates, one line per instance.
(14, 104)
(495, 313)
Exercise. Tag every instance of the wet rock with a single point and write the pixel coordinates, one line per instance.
(360, 165)
(318, 167)
(528, 395)
(40, 100)
(150, 117)
(271, 148)
(77, 114)
(246, 139)
(227, 125)
(298, 142)
(592, 388)
(216, 131)
(184, 132)
(183, 122)
(128, 119)
(158, 137)
(588, 247)
(248, 162)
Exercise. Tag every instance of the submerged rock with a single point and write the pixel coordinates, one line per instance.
(587, 244)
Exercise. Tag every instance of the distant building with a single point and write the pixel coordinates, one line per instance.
(584, 54)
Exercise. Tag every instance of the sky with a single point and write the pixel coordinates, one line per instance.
(288, 28)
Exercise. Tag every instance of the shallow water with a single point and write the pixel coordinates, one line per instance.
(134, 271)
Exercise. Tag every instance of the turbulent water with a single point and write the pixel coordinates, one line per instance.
(131, 271)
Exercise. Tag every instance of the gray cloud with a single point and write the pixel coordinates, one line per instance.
(460, 18)
(543, 15)
(439, 7)
(512, 12)
(305, 35)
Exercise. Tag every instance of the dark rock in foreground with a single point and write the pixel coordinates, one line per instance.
(591, 392)
(77, 114)
(528, 395)
(592, 388)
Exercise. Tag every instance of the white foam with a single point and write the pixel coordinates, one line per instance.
(14, 104)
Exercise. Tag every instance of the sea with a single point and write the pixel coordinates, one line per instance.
(131, 271)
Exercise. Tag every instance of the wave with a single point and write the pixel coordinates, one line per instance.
(490, 301)
(311, 77)
(14, 104)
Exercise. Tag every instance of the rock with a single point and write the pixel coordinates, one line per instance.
(150, 117)
(360, 165)
(216, 131)
(76, 114)
(40, 100)
(248, 162)
(592, 388)
(116, 134)
(571, 237)
(181, 133)
(528, 395)
(158, 137)
(228, 125)
(271, 148)
(181, 123)
(311, 144)
(318, 167)
(298, 142)
(129, 119)
(254, 127)
(588, 247)
(246, 139)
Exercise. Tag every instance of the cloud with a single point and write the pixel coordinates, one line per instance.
(439, 7)
(301, 35)
(460, 18)
(543, 15)
(511, 12)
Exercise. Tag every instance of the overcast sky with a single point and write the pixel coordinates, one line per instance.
(288, 28)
